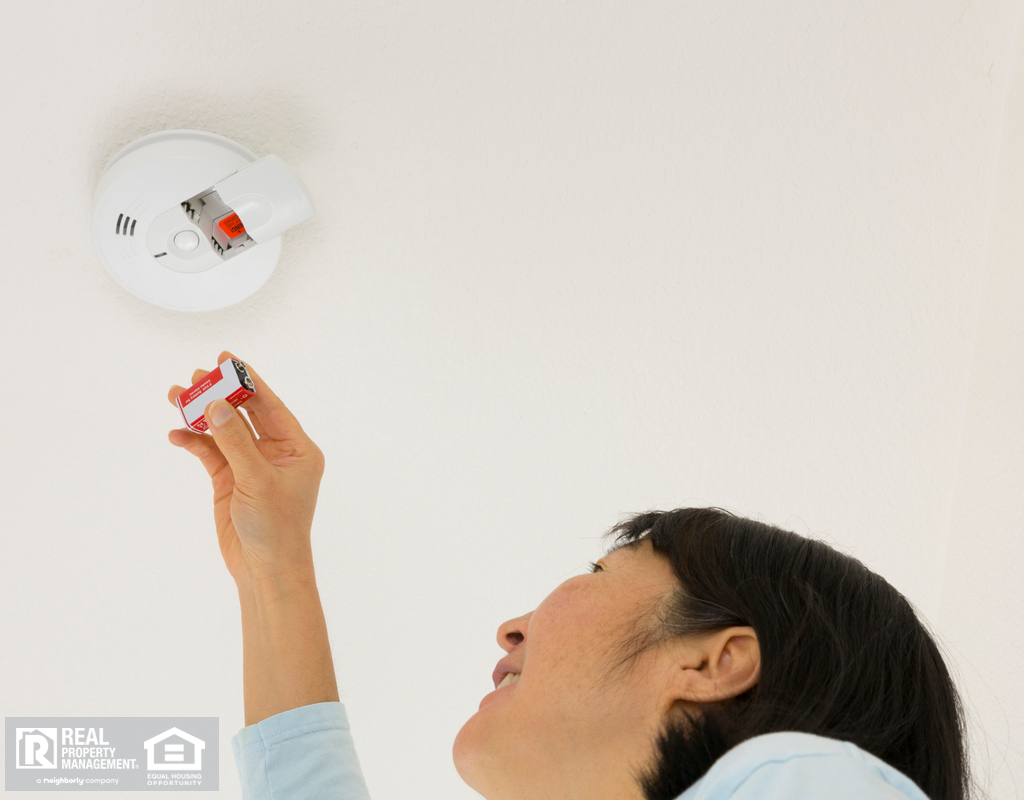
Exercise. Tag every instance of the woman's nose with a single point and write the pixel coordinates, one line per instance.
(513, 631)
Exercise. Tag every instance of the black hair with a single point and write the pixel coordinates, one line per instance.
(843, 653)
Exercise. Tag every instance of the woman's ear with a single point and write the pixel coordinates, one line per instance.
(717, 666)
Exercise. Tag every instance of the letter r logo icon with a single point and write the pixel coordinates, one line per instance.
(37, 748)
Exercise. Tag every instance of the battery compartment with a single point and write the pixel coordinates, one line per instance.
(220, 225)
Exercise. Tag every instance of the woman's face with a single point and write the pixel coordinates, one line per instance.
(564, 730)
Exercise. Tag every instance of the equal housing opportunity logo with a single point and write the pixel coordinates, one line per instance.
(129, 753)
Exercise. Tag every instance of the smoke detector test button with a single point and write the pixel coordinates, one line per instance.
(187, 240)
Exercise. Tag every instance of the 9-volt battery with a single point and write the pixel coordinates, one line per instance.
(231, 382)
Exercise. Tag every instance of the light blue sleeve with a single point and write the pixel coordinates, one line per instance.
(305, 753)
(800, 766)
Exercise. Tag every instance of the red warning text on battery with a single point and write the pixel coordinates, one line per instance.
(232, 226)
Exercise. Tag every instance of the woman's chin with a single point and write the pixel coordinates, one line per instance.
(466, 752)
(477, 744)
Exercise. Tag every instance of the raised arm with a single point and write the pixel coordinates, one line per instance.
(264, 494)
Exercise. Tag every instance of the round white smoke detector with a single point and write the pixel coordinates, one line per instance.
(191, 221)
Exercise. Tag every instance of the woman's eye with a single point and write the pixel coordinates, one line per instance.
(595, 567)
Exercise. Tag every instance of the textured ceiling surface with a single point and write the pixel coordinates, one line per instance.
(568, 262)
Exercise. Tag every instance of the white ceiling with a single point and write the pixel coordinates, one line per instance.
(568, 262)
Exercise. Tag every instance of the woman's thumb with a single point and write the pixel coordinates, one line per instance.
(234, 440)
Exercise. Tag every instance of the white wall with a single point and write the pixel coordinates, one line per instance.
(568, 262)
(982, 601)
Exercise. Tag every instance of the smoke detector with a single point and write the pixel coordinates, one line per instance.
(192, 221)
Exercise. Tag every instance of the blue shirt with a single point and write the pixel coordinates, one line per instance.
(307, 753)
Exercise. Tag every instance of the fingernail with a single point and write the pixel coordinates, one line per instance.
(220, 412)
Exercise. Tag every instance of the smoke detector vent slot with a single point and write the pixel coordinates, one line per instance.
(124, 231)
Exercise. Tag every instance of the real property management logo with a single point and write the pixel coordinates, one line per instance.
(36, 748)
(112, 753)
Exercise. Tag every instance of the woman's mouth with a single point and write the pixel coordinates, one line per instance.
(503, 688)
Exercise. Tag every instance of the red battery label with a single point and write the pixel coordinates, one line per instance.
(232, 226)
(230, 381)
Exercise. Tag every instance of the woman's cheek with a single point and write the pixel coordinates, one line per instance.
(571, 605)
(563, 631)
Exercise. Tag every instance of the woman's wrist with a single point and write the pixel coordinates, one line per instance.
(269, 588)
(284, 578)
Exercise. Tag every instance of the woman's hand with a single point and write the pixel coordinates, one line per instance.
(264, 489)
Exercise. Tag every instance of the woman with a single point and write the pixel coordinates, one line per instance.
(705, 657)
